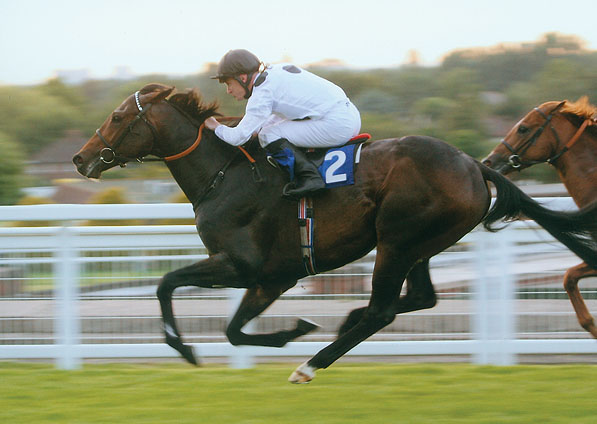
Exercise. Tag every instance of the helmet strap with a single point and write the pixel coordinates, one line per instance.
(245, 85)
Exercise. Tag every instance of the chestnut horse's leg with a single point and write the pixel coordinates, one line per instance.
(420, 294)
(388, 276)
(573, 275)
(217, 269)
(255, 301)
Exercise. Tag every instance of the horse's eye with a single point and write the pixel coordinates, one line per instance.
(117, 119)
(523, 130)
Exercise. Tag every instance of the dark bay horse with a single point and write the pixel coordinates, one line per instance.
(412, 198)
(563, 134)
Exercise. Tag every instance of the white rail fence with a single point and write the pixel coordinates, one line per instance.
(73, 291)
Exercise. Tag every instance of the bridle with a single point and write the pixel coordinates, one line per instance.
(515, 161)
(108, 154)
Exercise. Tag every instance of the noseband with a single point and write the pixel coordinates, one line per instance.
(516, 162)
(108, 154)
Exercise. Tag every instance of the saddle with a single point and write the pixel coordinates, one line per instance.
(317, 155)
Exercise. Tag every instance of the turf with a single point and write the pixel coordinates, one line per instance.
(344, 393)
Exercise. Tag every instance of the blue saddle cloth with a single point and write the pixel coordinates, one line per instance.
(336, 165)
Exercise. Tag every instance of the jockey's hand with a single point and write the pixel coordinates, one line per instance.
(212, 123)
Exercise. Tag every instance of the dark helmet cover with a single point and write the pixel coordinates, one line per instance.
(236, 62)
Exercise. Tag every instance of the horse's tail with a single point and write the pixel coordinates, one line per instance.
(574, 229)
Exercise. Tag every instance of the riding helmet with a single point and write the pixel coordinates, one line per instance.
(237, 62)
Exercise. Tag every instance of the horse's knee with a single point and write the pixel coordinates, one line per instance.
(161, 291)
(570, 282)
(378, 319)
(234, 336)
(164, 290)
(430, 301)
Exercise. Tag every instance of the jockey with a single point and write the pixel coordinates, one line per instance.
(287, 107)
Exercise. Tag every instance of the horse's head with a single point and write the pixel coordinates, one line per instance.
(127, 134)
(527, 143)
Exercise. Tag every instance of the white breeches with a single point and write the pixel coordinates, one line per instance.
(338, 126)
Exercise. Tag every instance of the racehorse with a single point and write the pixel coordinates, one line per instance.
(412, 198)
(563, 134)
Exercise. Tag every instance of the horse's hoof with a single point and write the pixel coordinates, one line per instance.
(185, 351)
(188, 353)
(305, 326)
(302, 375)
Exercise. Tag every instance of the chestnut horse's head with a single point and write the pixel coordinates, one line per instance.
(127, 134)
(528, 142)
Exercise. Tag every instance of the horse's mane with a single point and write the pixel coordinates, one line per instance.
(191, 102)
(581, 109)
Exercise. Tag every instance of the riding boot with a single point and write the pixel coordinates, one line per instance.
(307, 180)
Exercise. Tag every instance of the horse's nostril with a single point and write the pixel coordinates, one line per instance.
(77, 160)
(486, 162)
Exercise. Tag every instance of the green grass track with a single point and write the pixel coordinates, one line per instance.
(344, 393)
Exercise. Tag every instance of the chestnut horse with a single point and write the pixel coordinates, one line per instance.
(412, 198)
(563, 134)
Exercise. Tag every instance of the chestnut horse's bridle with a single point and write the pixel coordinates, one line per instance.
(516, 162)
(108, 154)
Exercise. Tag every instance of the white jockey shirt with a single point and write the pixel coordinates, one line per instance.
(287, 91)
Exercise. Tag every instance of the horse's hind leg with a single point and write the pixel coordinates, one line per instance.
(388, 276)
(573, 275)
(420, 294)
(255, 301)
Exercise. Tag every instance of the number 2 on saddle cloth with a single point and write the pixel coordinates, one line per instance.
(336, 164)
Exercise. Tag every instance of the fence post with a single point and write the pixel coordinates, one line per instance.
(66, 290)
(494, 316)
(240, 358)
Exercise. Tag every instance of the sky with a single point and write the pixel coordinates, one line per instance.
(178, 37)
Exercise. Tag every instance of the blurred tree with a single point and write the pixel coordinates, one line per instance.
(459, 82)
(11, 170)
(35, 119)
(561, 79)
(69, 94)
(431, 109)
(382, 126)
(377, 101)
(469, 141)
(112, 196)
(519, 100)
(466, 112)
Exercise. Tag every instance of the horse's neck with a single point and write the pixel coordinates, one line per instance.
(194, 173)
(578, 169)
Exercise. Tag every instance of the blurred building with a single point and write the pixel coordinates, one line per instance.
(57, 179)
(54, 161)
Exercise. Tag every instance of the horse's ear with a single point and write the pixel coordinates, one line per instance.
(156, 94)
(558, 106)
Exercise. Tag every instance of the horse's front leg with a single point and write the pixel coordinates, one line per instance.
(217, 269)
(573, 275)
(255, 301)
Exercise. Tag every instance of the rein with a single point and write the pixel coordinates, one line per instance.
(108, 154)
(515, 160)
